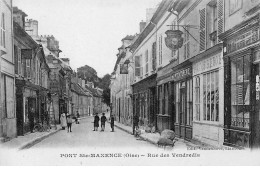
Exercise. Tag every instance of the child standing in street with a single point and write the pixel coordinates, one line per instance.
(69, 123)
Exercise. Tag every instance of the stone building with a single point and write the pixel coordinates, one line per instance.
(7, 74)
(241, 43)
(32, 73)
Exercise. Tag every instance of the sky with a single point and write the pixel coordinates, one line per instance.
(89, 31)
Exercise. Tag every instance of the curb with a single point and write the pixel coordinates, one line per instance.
(143, 138)
(37, 140)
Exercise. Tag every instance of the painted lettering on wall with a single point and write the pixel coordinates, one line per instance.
(182, 74)
(207, 64)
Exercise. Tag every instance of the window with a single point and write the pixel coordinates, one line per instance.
(211, 96)
(138, 71)
(19, 62)
(166, 98)
(234, 5)
(197, 98)
(146, 61)
(28, 68)
(3, 31)
(240, 91)
(212, 23)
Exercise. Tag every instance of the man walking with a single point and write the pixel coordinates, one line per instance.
(112, 119)
(135, 123)
(103, 121)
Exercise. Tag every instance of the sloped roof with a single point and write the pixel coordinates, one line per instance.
(129, 37)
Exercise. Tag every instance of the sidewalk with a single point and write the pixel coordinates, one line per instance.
(154, 137)
(30, 139)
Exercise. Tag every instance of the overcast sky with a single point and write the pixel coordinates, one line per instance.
(89, 31)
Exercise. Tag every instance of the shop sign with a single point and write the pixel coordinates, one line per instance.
(174, 40)
(207, 64)
(243, 40)
(182, 74)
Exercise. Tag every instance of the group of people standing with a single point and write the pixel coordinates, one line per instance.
(103, 120)
(67, 121)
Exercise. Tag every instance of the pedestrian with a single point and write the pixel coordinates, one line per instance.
(63, 121)
(135, 123)
(69, 123)
(112, 120)
(77, 118)
(31, 118)
(103, 121)
(96, 122)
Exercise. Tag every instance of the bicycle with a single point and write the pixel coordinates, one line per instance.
(41, 127)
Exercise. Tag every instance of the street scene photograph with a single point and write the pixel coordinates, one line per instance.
(129, 82)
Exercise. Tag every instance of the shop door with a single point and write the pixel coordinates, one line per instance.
(182, 112)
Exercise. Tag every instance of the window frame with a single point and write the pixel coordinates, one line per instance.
(3, 31)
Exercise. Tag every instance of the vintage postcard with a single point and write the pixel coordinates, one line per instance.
(129, 82)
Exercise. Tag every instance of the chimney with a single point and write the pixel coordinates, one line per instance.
(149, 14)
(31, 27)
(142, 25)
(19, 17)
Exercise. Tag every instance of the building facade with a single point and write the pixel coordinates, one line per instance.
(7, 82)
(32, 73)
(241, 67)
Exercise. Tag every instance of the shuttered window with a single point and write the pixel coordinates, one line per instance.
(146, 61)
(186, 43)
(154, 55)
(220, 8)
(202, 29)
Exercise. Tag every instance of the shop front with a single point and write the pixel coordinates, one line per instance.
(241, 68)
(26, 106)
(165, 96)
(182, 77)
(144, 93)
(208, 87)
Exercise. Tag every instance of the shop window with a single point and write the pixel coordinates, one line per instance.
(166, 98)
(197, 98)
(160, 100)
(240, 92)
(178, 103)
(211, 96)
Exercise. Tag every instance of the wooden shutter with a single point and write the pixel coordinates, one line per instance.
(154, 55)
(220, 6)
(16, 59)
(202, 29)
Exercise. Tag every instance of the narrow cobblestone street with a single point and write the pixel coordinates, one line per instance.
(82, 135)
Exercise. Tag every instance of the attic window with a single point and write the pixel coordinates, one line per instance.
(55, 61)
